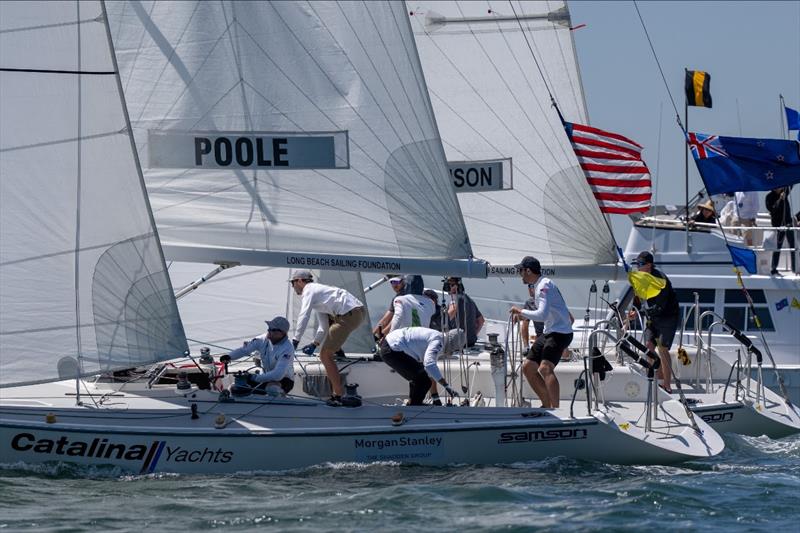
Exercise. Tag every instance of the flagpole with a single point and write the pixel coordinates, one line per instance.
(686, 162)
(782, 112)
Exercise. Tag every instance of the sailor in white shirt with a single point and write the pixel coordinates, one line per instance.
(747, 211)
(413, 353)
(339, 313)
(412, 309)
(276, 353)
(546, 352)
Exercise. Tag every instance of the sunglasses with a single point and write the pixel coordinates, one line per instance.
(273, 330)
(396, 282)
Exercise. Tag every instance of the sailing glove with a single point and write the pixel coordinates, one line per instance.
(308, 349)
(224, 359)
(295, 343)
(450, 391)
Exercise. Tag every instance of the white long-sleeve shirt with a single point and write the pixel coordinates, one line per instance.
(405, 307)
(277, 360)
(550, 308)
(325, 300)
(423, 344)
(747, 204)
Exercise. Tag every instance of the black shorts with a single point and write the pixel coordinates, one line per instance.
(661, 331)
(550, 347)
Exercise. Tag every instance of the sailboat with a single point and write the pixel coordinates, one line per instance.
(502, 125)
(84, 284)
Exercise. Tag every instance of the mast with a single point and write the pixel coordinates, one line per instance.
(686, 164)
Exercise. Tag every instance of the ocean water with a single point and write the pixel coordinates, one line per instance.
(754, 485)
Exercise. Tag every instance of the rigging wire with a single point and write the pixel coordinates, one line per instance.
(536, 61)
(658, 63)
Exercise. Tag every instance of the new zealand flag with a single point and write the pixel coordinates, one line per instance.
(731, 164)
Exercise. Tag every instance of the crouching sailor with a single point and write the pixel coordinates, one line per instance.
(276, 353)
(413, 353)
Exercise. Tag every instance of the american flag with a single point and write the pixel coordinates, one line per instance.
(613, 165)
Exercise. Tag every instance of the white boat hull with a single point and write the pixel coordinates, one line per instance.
(259, 434)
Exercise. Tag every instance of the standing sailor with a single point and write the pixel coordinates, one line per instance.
(546, 351)
(339, 314)
(663, 317)
(275, 352)
(413, 353)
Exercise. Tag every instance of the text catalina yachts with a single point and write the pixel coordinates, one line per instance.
(101, 448)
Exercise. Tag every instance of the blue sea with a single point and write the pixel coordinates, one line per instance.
(753, 485)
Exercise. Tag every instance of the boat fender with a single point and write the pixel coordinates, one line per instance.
(220, 422)
(50, 418)
(398, 419)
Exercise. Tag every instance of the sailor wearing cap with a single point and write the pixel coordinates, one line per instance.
(398, 285)
(413, 353)
(546, 352)
(663, 317)
(412, 309)
(276, 353)
(339, 313)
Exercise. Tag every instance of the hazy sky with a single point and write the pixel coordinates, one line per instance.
(751, 50)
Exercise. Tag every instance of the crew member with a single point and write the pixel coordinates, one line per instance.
(546, 351)
(276, 353)
(780, 213)
(706, 213)
(413, 353)
(339, 313)
(747, 212)
(412, 309)
(398, 285)
(663, 316)
(462, 313)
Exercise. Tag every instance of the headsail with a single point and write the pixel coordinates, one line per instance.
(492, 106)
(83, 285)
(295, 134)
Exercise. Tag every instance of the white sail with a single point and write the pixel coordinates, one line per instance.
(83, 286)
(493, 108)
(294, 134)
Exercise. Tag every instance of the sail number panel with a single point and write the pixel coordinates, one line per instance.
(247, 150)
(480, 176)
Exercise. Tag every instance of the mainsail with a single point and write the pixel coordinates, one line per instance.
(83, 285)
(495, 114)
(293, 134)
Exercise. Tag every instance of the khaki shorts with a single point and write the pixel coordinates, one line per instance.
(340, 327)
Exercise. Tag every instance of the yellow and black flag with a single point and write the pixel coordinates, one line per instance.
(697, 88)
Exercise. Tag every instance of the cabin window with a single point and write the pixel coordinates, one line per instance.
(739, 315)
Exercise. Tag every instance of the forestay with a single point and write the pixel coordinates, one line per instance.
(294, 134)
(492, 104)
(83, 286)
